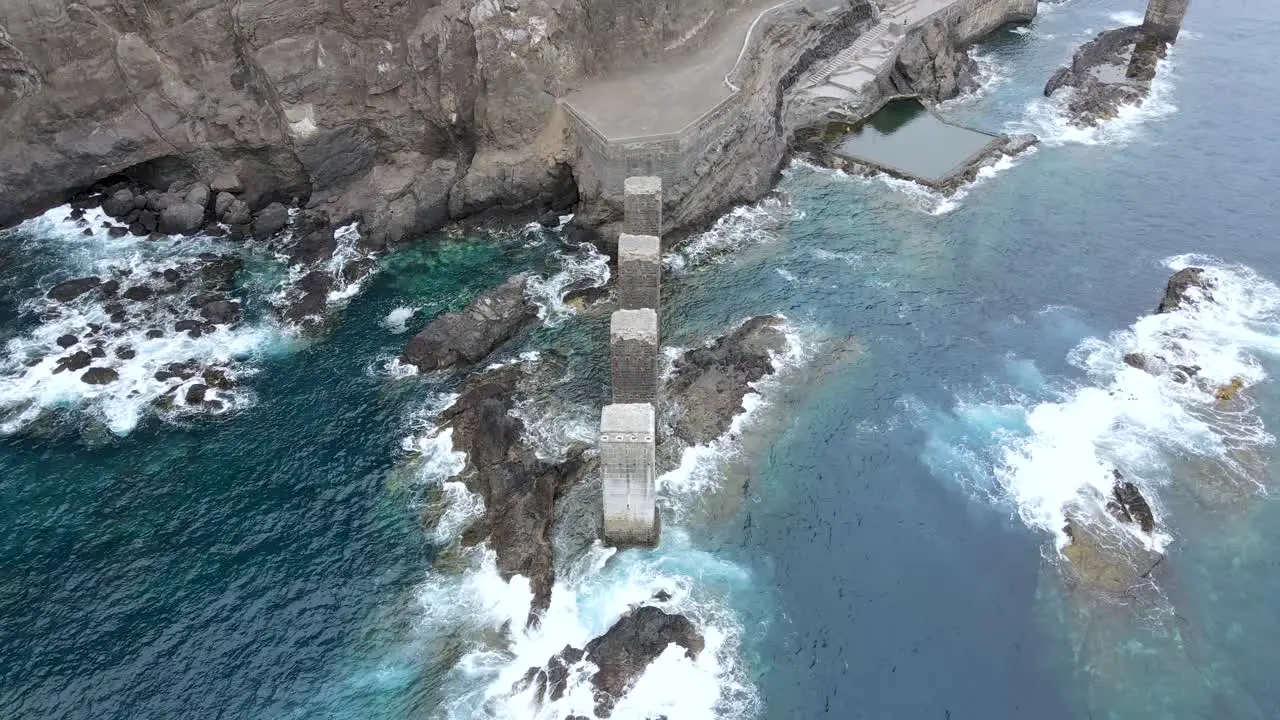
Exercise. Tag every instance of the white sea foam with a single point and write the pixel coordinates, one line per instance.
(397, 321)
(29, 387)
(585, 602)
(1054, 455)
(1125, 18)
(701, 465)
(583, 267)
(744, 225)
(1048, 119)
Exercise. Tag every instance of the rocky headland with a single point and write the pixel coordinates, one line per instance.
(1111, 71)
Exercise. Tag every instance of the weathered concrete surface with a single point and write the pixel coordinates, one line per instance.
(639, 272)
(627, 464)
(1164, 18)
(642, 205)
(633, 347)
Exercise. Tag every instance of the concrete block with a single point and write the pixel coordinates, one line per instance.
(627, 464)
(1164, 18)
(642, 206)
(633, 347)
(639, 271)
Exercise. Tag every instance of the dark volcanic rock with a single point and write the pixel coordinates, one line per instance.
(709, 382)
(139, 293)
(99, 376)
(196, 393)
(1128, 505)
(1114, 69)
(491, 319)
(1180, 286)
(622, 655)
(181, 218)
(67, 341)
(219, 273)
(182, 371)
(126, 353)
(269, 221)
(221, 312)
(72, 289)
(119, 204)
(74, 361)
(518, 488)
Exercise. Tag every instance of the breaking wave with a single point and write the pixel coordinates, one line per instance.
(1050, 448)
(131, 346)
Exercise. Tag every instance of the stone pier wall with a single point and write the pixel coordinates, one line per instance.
(1164, 18)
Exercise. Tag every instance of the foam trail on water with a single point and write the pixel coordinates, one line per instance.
(584, 267)
(1055, 456)
(743, 226)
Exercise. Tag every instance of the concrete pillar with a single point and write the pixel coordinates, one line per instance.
(633, 346)
(639, 271)
(1164, 18)
(627, 461)
(642, 206)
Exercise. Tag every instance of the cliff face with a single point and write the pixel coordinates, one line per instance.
(407, 112)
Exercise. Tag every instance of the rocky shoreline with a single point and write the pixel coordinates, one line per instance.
(540, 515)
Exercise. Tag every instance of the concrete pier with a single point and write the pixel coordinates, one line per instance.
(627, 460)
(1164, 18)
(639, 271)
(633, 346)
(642, 206)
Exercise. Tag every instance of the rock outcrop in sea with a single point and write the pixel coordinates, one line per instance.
(466, 337)
(1113, 70)
(620, 655)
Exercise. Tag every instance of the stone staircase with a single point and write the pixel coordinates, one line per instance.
(848, 56)
(862, 61)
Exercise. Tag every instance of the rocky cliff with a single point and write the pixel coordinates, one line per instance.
(404, 112)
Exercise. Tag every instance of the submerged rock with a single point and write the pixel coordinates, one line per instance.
(709, 383)
(1109, 564)
(491, 319)
(622, 655)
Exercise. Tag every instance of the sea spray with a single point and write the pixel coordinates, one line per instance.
(1052, 452)
(742, 226)
(31, 384)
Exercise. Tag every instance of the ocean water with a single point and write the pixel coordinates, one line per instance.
(880, 535)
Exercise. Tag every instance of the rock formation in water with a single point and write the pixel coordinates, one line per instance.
(518, 488)
(622, 654)
(1128, 505)
(708, 383)
(1183, 287)
(1113, 70)
(491, 319)
(1108, 563)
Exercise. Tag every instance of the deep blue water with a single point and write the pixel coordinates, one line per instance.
(856, 546)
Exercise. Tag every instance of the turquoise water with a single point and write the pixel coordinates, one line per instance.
(879, 539)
